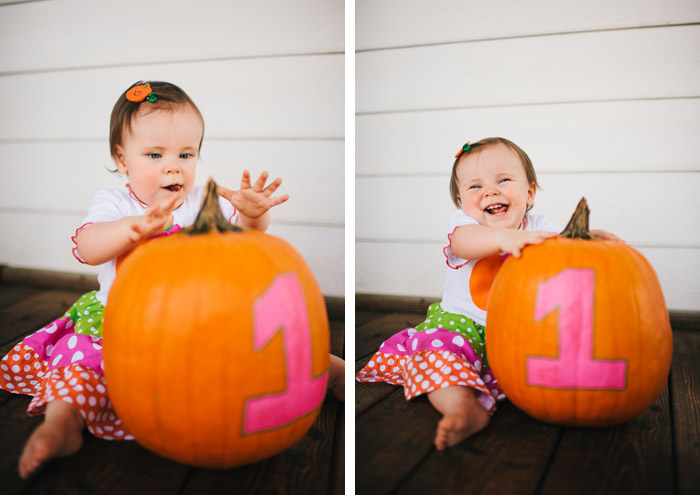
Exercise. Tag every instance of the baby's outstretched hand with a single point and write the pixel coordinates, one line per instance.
(157, 219)
(254, 200)
(604, 234)
(514, 241)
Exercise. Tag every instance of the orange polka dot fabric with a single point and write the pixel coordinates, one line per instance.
(424, 361)
(56, 364)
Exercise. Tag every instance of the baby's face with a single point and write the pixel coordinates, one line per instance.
(493, 187)
(159, 155)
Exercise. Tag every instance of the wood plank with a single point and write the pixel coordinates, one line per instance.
(303, 468)
(213, 30)
(391, 23)
(307, 102)
(362, 316)
(367, 395)
(33, 313)
(621, 131)
(15, 428)
(369, 336)
(509, 456)
(596, 66)
(111, 468)
(10, 295)
(685, 390)
(391, 441)
(25, 279)
(635, 457)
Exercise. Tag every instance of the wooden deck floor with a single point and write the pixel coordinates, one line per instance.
(656, 453)
(315, 465)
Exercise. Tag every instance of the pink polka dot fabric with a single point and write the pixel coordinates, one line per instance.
(425, 361)
(55, 363)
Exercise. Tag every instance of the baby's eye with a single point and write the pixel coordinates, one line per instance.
(185, 156)
(505, 179)
(155, 156)
(474, 186)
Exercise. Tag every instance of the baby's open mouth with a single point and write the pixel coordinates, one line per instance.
(173, 187)
(498, 209)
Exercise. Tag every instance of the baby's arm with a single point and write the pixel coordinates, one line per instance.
(103, 241)
(254, 202)
(479, 241)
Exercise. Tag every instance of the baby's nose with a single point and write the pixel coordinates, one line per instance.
(171, 166)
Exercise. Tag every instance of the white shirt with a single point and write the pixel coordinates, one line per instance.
(464, 294)
(111, 205)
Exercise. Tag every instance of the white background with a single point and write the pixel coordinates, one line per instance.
(603, 96)
(267, 75)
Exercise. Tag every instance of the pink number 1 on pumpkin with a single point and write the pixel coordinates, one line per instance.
(572, 292)
(283, 308)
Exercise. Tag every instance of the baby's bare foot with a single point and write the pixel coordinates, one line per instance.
(59, 435)
(453, 428)
(462, 417)
(336, 380)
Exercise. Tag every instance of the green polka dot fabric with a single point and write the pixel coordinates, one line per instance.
(466, 327)
(87, 313)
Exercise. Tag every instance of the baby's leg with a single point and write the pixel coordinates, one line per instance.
(336, 380)
(462, 415)
(59, 435)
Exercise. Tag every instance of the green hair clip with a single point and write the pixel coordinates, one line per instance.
(466, 147)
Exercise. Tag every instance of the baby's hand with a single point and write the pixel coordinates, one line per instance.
(254, 201)
(604, 234)
(157, 219)
(513, 241)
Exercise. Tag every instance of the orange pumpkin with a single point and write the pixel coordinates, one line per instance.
(577, 329)
(216, 344)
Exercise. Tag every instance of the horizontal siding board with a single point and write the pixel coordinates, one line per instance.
(84, 33)
(410, 269)
(392, 23)
(288, 97)
(317, 201)
(418, 208)
(608, 65)
(623, 136)
(42, 241)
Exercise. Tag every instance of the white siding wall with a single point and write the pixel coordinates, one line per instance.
(603, 96)
(267, 75)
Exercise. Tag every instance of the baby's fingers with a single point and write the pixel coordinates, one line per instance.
(245, 180)
(260, 183)
(278, 200)
(270, 189)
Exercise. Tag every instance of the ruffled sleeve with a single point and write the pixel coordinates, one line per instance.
(106, 207)
(457, 220)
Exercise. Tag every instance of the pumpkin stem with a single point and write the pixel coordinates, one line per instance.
(577, 228)
(210, 216)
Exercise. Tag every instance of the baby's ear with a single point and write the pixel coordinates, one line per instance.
(531, 191)
(119, 159)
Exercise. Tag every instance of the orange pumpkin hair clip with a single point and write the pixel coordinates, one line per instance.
(464, 148)
(140, 93)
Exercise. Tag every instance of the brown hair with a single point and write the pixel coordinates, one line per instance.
(168, 97)
(479, 147)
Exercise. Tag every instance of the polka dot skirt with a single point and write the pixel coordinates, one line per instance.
(55, 363)
(424, 361)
